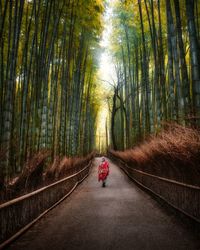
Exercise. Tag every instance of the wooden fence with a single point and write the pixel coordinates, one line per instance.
(20, 213)
(183, 197)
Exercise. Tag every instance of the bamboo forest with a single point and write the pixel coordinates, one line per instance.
(78, 77)
(107, 91)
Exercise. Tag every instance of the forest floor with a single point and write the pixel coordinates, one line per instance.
(120, 216)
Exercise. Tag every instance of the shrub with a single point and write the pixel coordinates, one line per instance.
(174, 154)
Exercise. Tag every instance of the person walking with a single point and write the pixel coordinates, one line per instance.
(103, 171)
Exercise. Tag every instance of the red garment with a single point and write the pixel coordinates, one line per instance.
(103, 171)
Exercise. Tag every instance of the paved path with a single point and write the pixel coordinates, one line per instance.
(120, 216)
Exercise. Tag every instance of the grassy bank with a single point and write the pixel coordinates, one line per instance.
(173, 154)
(38, 173)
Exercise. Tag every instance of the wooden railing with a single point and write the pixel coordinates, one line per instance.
(183, 197)
(20, 213)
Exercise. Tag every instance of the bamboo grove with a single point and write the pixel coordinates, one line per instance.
(47, 73)
(155, 48)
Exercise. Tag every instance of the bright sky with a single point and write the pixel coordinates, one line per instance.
(106, 74)
(107, 71)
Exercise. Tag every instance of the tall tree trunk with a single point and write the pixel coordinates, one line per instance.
(145, 75)
(184, 73)
(162, 77)
(195, 58)
(171, 101)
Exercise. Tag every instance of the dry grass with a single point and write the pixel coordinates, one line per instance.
(65, 167)
(174, 154)
(50, 173)
(30, 178)
(35, 175)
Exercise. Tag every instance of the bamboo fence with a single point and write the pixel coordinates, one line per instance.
(183, 197)
(18, 214)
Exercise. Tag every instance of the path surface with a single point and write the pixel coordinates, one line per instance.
(120, 216)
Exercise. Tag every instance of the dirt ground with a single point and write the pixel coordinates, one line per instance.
(119, 216)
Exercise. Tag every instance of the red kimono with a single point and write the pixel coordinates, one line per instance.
(103, 171)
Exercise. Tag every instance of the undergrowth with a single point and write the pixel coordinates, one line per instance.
(173, 154)
(37, 173)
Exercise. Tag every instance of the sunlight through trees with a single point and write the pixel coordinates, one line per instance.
(48, 64)
(78, 75)
(155, 49)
